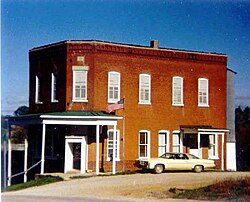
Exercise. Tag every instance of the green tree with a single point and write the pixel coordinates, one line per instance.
(242, 126)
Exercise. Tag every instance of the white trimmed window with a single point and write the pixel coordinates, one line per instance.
(177, 142)
(80, 85)
(38, 93)
(203, 92)
(163, 142)
(213, 146)
(110, 142)
(177, 91)
(54, 88)
(145, 89)
(144, 144)
(113, 87)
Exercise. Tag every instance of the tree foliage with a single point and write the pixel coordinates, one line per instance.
(21, 111)
(242, 126)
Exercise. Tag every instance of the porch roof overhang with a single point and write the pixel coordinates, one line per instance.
(66, 118)
(190, 129)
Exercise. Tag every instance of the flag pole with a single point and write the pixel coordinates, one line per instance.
(123, 136)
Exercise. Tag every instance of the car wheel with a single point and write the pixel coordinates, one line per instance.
(158, 168)
(198, 169)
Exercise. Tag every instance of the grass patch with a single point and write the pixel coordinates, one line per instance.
(222, 190)
(39, 182)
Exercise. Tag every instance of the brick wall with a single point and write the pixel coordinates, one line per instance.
(162, 65)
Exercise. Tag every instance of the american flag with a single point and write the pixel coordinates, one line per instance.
(116, 106)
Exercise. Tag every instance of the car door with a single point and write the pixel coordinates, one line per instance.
(178, 162)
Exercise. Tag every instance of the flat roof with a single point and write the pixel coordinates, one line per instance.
(99, 42)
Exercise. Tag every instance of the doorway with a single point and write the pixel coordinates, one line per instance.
(76, 154)
(191, 143)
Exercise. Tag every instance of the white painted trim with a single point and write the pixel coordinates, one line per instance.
(199, 146)
(180, 134)
(83, 99)
(207, 92)
(53, 79)
(82, 117)
(219, 131)
(118, 144)
(68, 162)
(9, 160)
(76, 122)
(182, 91)
(25, 159)
(148, 144)
(80, 68)
(37, 91)
(114, 142)
(168, 142)
(231, 156)
(119, 86)
(222, 152)
(97, 149)
(43, 149)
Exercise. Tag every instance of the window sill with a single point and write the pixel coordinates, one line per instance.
(178, 105)
(199, 105)
(39, 103)
(112, 101)
(109, 160)
(54, 101)
(142, 103)
(144, 158)
(79, 100)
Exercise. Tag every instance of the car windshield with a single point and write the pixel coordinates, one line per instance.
(178, 156)
(166, 156)
(191, 156)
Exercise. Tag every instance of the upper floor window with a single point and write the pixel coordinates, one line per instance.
(144, 144)
(177, 91)
(203, 92)
(113, 87)
(80, 85)
(163, 142)
(54, 96)
(145, 89)
(110, 145)
(38, 93)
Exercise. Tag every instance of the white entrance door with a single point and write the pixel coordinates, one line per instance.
(73, 143)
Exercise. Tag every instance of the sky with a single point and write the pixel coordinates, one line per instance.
(210, 26)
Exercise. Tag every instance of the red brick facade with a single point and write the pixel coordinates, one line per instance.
(131, 61)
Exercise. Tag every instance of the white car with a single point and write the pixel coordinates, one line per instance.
(175, 161)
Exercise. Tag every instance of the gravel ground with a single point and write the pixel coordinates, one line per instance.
(135, 187)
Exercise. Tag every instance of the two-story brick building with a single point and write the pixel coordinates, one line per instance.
(174, 100)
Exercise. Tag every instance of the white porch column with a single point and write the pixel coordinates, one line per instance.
(114, 151)
(43, 149)
(199, 145)
(25, 159)
(97, 149)
(222, 152)
(9, 161)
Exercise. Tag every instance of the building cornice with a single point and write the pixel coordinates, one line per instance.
(117, 48)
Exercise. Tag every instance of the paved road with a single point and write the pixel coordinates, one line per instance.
(137, 187)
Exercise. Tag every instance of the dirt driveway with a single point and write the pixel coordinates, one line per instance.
(128, 187)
